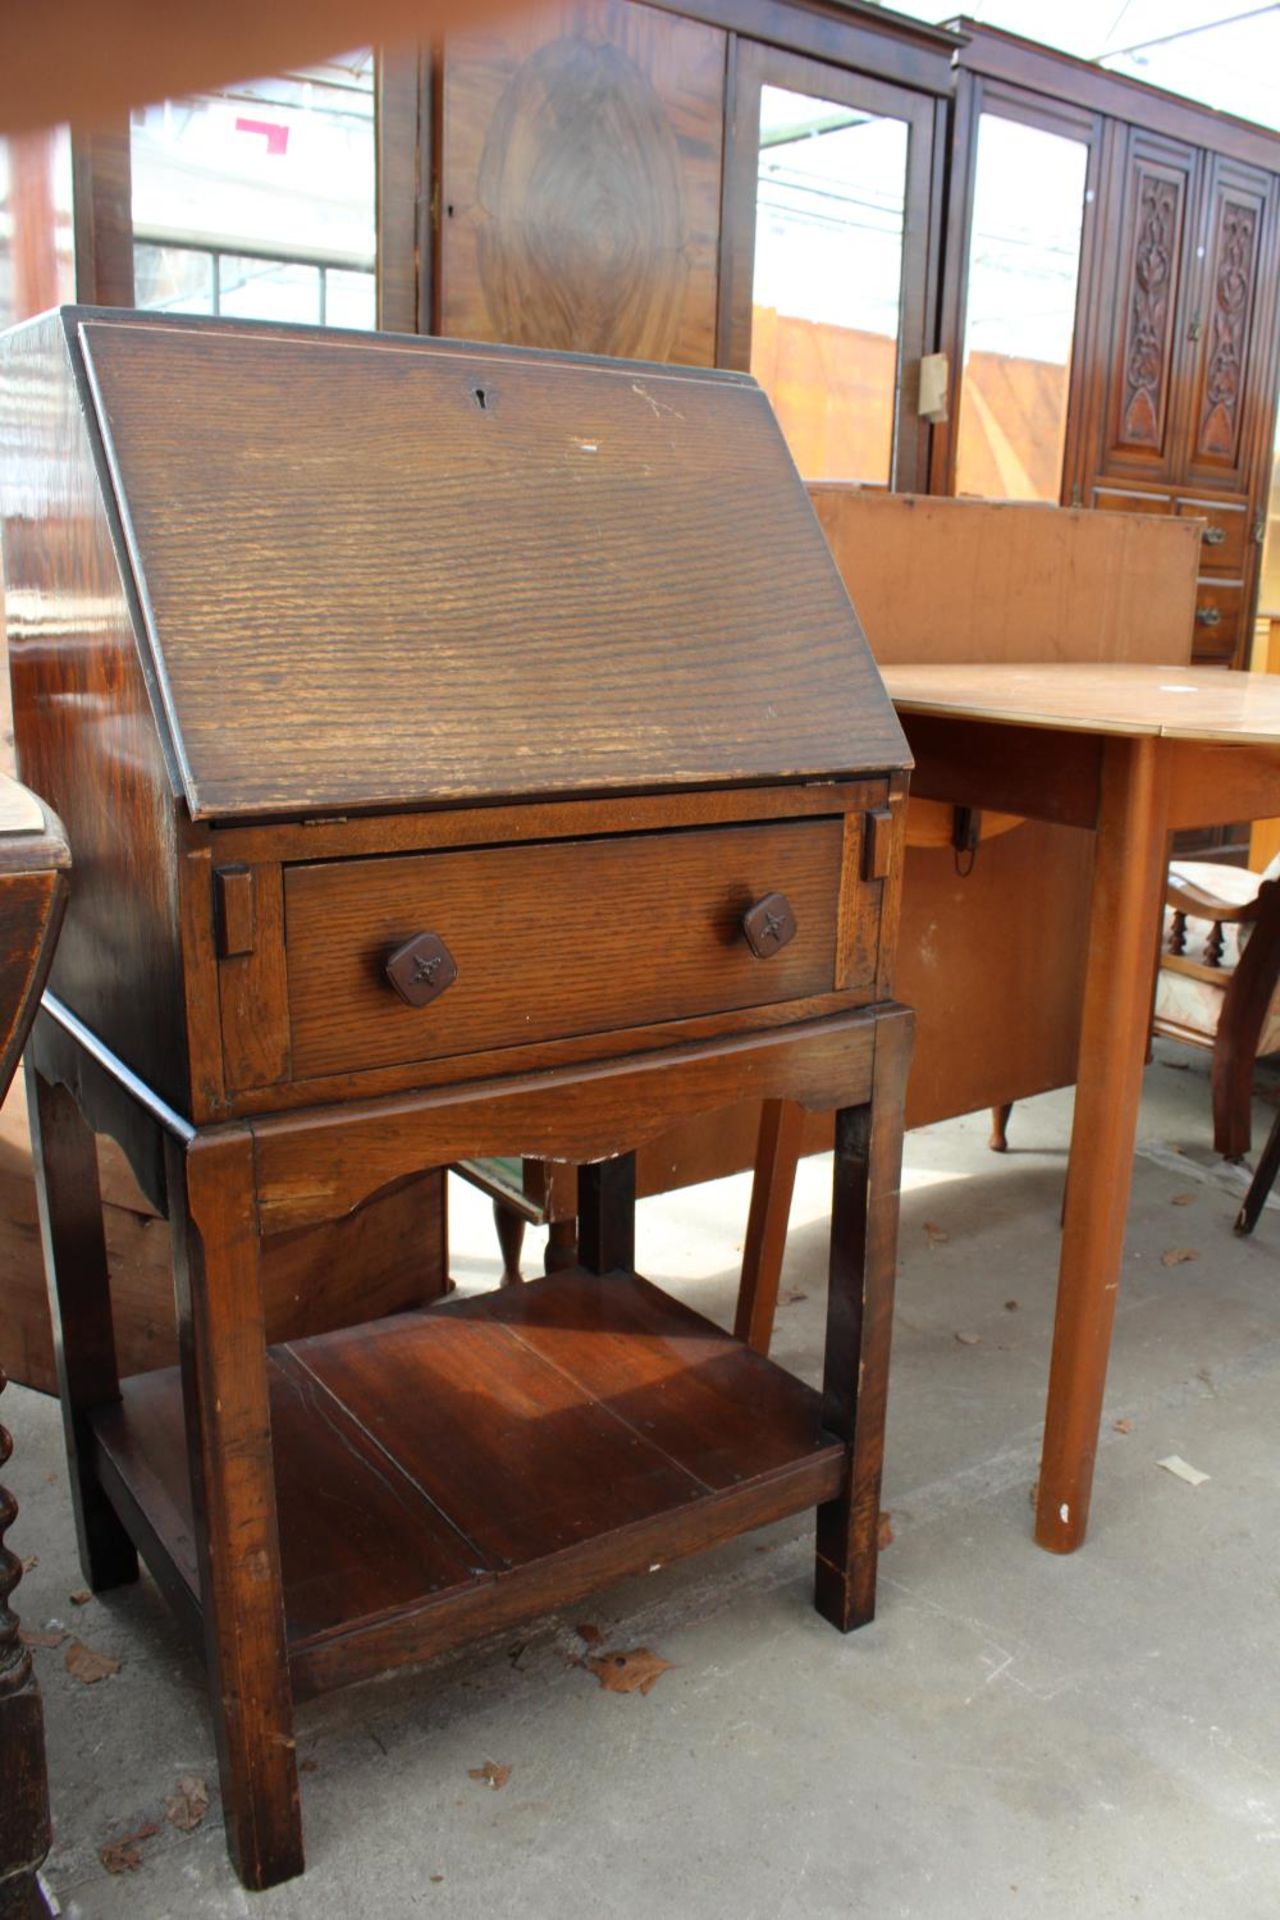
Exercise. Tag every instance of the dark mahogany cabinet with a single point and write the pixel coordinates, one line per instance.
(1173, 360)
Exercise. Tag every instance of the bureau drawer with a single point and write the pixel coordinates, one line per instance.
(558, 938)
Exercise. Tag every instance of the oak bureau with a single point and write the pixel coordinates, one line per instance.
(463, 751)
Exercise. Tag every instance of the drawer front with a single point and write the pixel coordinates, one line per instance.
(1128, 500)
(1217, 629)
(557, 939)
(1222, 539)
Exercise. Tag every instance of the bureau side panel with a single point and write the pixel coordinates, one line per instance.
(85, 735)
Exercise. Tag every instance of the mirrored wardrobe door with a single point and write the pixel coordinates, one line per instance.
(827, 231)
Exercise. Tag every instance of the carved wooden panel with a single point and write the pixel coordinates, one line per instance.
(1148, 291)
(580, 181)
(1235, 218)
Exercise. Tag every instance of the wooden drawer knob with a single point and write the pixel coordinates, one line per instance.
(769, 925)
(421, 969)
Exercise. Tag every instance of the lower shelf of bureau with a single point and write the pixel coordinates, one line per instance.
(444, 1473)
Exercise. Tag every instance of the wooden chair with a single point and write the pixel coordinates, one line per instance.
(1216, 985)
(1263, 1180)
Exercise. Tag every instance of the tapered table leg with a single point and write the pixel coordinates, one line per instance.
(1128, 889)
(777, 1151)
(220, 1327)
(510, 1226)
(864, 1247)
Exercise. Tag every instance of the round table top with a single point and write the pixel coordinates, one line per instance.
(1187, 703)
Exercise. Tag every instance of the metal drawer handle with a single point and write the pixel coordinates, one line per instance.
(769, 926)
(1213, 536)
(421, 969)
(1208, 617)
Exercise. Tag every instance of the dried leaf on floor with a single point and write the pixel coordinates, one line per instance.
(935, 1234)
(122, 1856)
(969, 1339)
(884, 1532)
(84, 1664)
(491, 1773)
(32, 1637)
(308, 1765)
(636, 1671)
(187, 1807)
(1178, 1256)
(1182, 1199)
(1122, 1426)
(32, 1560)
(1011, 1306)
(81, 1597)
(591, 1634)
(793, 1299)
(1182, 1470)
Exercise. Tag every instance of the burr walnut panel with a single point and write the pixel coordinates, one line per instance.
(580, 181)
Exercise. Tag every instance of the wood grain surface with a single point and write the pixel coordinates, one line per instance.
(1203, 703)
(942, 580)
(229, 1460)
(580, 181)
(33, 884)
(472, 1452)
(72, 655)
(318, 1164)
(346, 620)
(570, 937)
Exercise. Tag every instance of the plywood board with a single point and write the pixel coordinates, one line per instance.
(944, 580)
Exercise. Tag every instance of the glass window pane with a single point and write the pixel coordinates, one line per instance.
(277, 178)
(172, 279)
(1024, 266)
(349, 299)
(827, 292)
(268, 290)
(283, 165)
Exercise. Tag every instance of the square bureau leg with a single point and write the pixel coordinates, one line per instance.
(75, 1261)
(224, 1385)
(607, 1215)
(864, 1238)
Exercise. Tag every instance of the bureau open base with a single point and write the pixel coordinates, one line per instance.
(325, 1509)
(442, 1474)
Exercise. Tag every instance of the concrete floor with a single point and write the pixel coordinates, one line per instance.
(1016, 1735)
